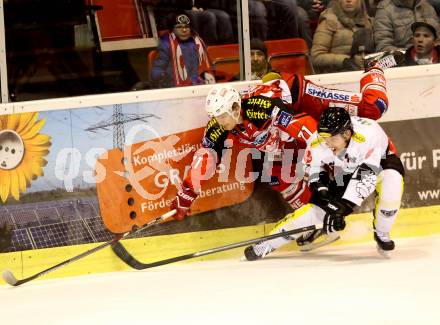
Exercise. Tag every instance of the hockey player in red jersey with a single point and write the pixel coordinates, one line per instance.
(371, 101)
(262, 121)
(351, 159)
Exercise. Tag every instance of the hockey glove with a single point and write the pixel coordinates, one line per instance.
(333, 223)
(337, 210)
(184, 198)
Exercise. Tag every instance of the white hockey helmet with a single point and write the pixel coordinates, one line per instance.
(220, 100)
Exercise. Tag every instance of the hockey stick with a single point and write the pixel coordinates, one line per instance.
(9, 277)
(125, 256)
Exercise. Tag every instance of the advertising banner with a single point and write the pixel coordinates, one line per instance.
(138, 185)
(419, 150)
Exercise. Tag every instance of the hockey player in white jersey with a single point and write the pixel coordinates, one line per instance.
(351, 159)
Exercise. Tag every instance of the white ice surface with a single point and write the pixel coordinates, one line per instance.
(335, 285)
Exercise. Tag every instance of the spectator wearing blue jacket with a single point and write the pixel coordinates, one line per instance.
(182, 57)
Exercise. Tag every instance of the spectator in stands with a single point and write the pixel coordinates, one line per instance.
(285, 21)
(259, 61)
(344, 34)
(392, 23)
(371, 6)
(213, 25)
(423, 50)
(436, 5)
(277, 19)
(260, 65)
(258, 19)
(182, 57)
(208, 18)
(311, 9)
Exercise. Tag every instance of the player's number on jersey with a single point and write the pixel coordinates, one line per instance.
(304, 133)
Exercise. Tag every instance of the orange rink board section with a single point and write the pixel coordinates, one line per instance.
(139, 184)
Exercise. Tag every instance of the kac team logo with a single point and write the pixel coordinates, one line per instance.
(284, 119)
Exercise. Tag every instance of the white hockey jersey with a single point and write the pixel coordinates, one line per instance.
(367, 146)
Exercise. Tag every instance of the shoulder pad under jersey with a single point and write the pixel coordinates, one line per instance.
(215, 135)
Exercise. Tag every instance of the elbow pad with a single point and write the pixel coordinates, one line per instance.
(361, 185)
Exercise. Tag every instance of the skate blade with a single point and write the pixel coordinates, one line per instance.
(385, 254)
(244, 259)
(328, 240)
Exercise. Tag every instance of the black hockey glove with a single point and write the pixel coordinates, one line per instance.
(334, 223)
(337, 210)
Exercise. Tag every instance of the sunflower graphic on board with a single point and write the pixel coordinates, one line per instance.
(22, 152)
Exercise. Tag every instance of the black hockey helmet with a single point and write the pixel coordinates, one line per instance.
(334, 120)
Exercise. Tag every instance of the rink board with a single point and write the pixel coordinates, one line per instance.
(413, 222)
(413, 92)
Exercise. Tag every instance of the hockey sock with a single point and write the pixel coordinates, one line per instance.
(390, 189)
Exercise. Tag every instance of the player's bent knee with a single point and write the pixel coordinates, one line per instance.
(393, 162)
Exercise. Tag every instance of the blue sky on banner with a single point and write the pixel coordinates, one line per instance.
(69, 168)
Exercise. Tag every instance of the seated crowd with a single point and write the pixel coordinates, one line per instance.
(340, 34)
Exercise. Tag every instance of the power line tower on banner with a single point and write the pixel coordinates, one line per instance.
(118, 127)
(117, 121)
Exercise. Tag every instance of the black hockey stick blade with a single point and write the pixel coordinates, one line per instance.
(125, 256)
(9, 277)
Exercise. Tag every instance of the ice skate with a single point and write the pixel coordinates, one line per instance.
(256, 252)
(384, 244)
(315, 239)
(384, 60)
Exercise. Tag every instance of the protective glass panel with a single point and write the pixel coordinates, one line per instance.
(321, 36)
(80, 47)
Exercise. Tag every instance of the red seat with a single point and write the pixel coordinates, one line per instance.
(225, 61)
(289, 55)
